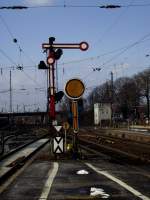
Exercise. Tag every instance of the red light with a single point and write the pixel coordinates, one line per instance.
(50, 60)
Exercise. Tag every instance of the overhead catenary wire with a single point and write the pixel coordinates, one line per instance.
(21, 50)
(8, 29)
(29, 77)
(68, 6)
(96, 57)
(101, 6)
(25, 67)
(71, 61)
(30, 67)
(8, 57)
(28, 57)
(24, 89)
(15, 65)
(112, 24)
(91, 58)
(127, 48)
(142, 39)
(74, 61)
(10, 33)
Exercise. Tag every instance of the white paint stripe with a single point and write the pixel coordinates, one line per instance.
(51, 175)
(123, 184)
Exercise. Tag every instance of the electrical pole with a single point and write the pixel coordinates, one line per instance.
(17, 108)
(112, 96)
(147, 98)
(24, 108)
(10, 95)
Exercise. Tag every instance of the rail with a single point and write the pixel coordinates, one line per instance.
(15, 159)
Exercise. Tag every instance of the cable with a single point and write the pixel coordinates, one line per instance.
(5, 24)
(92, 58)
(65, 6)
(95, 57)
(137, 5)
(90, 6)
(113, 24)
(13, 7)
(27, 67)
(20, 49)
(9, 31)
(10, 59)
(108, 6)
(123, 51)
(127, 48)
(15, 40)
(27, 75)
(28, 57)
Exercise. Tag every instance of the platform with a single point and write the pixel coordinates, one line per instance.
(97, 176)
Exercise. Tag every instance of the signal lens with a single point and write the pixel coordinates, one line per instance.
(50, 60)
(84, 46)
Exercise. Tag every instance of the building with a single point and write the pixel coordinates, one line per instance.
(102, 113)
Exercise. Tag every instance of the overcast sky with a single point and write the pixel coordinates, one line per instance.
(108, 32)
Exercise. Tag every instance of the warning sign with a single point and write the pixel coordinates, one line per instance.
(65, 125)
(58, 145)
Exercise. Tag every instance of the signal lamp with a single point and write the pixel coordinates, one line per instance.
(42, 65)
(58, 96)
(58, 53)
(51, 40)
(84, 46)
(50, 59)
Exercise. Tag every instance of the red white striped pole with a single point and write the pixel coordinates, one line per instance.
(52, 112)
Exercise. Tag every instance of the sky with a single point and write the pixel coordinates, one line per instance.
(118, 39)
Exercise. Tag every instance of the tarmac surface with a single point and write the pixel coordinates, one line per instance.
(96, 177)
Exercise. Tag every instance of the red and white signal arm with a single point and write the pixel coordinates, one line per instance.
(83, 46)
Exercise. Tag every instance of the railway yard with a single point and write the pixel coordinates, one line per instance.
(110, 164)
(74, 100)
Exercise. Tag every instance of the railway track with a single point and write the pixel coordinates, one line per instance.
(13, 139)
(15, 159)
(116, 147)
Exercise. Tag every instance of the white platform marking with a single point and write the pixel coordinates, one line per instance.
(51, 175)
(80, 172)
(123, 184)
(99, 191)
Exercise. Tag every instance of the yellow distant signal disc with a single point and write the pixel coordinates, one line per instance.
(74, 88)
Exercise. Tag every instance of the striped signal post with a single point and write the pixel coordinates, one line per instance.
(75, 116)
(74, 89)
(75, 123)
